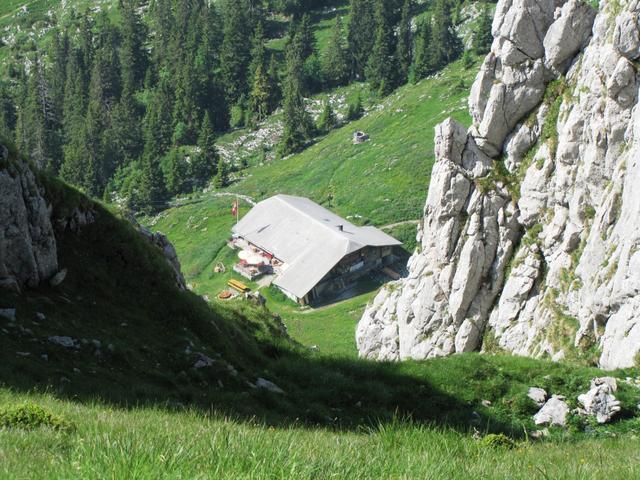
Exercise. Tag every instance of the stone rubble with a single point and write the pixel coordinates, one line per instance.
(600, 401)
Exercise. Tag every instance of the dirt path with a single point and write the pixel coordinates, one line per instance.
(406, 222)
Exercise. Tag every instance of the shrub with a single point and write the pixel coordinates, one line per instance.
(497, 440)
(29, 416)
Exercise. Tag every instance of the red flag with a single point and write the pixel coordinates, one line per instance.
(234, 208)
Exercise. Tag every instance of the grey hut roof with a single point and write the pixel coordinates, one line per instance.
(306, 237)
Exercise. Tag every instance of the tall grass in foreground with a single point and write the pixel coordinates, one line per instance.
(151, 443)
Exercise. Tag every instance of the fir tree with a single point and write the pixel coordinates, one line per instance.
(297, 125)
(482, 37)
(273, 77)
(403, 51)
(260, 94)
(360, 36)
(235, 52)
(335, 59)
(7, 113)
(327, 120)
(423, 64)
(445, 45)
(133, 56)
(306, 37)
(382, 69)
(258, 52)
(205, 164)
(355, 109)
(221, 179)
(159, 128)
(152, 193)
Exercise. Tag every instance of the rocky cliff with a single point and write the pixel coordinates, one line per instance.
(28, 254)
(29, 225)
(529, 242)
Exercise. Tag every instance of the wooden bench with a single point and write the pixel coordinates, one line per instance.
(239, 286)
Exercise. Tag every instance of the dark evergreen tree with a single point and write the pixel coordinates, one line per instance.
(36, 123)
(158, 127)
(327, 119)
(482, 37)
(405, 42)
(273, 77)
(7, 113)
(335, 59)
(445, 44)
(221, 179)
(57, 72)
(204, 165)
(306, 38)
(297, 124)
(382, 69)
(423, 64)
(133, 56)
(360, 38)
(152, 193)
(235, 51)
(260, 95)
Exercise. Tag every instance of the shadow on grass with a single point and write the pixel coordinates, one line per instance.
(136, 340)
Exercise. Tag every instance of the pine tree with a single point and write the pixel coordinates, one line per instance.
(36, 129)
(205, 164)
(382, 69)
(405, 42)
(297, 125)
(152, 193)
(162, 22)
(57, 73)
(360, 36)
(258, 52)
(159, 128)
(260, 94)
(306, 37)
(7, 114)
(482, 37)
(335, 59)
(133, 56)
(99, 167)
(221, 179)
(327, 120)
(423, 64)
(235, 52)
(125, 134)
(445, 44)
(273, 77)
(73, 121)
(355, 109)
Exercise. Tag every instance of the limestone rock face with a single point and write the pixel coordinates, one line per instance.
(28, 254)
(168, 250)
(529, 242)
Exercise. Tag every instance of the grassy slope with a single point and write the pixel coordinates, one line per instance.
(142, 411)
(158, 443)
(383, 181)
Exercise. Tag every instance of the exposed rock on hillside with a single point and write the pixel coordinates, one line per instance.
(28, 253)
(529, 242)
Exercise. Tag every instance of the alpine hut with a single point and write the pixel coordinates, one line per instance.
(314, 253)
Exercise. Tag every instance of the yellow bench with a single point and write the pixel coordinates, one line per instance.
(239, 286)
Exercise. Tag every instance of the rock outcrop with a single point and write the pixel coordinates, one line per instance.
(28, 254)
(529, 242)
(599, 401)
